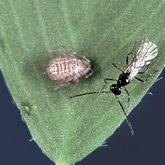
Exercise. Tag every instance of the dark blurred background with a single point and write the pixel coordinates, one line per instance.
(147, 147)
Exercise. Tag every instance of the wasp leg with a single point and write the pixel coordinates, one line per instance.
(144, 70)
(143, 81)
(117, 67)
(106, 81)
(127, 95)
(127, 58)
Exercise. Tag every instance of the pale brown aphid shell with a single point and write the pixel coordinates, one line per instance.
(68, 68)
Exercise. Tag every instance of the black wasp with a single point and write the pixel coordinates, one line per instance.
(141, 55)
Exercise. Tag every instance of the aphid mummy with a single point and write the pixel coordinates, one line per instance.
(141, 55)
(68, 68)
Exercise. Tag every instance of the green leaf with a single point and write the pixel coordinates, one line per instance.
(32, 32)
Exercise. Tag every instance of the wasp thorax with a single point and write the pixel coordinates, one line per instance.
(68, 68)
(123, 79)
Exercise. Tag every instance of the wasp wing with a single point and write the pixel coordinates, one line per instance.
(142, 55)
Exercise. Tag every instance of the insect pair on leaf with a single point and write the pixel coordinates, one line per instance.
(69, 68)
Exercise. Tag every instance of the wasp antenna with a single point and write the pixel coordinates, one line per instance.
(90, 93)
(125, 114)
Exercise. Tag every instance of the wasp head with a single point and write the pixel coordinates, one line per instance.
(115, 89)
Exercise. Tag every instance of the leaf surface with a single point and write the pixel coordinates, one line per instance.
(32, 32)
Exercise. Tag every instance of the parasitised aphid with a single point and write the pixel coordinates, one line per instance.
(141, 56)
(68, 68)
